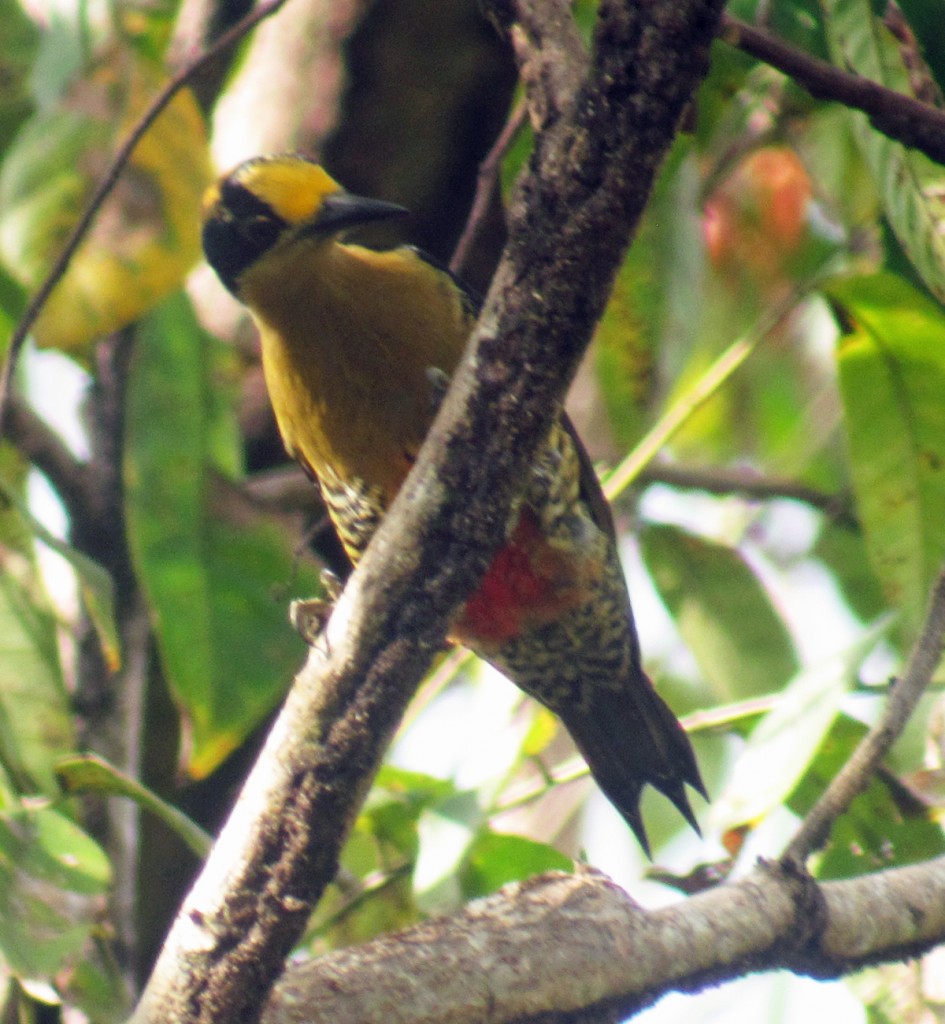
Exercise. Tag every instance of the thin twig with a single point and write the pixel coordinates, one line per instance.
(722, 481)
(44, 448)
(486, 184)
(573, 769)
(857, 772)
(703, 389)
(106, 185)
(678, 414)
(900, 117)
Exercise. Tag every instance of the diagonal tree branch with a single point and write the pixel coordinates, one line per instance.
(862, 766)
(487, 187)
(900, 117)
(585, 188)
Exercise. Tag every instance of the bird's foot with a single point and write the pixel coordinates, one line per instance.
(439, 382)
(308, 616)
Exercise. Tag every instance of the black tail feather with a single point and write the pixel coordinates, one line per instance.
(630, 738)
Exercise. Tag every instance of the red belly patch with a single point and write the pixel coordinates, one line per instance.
(528, 583)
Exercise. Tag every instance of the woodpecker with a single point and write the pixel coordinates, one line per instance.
(357, 345)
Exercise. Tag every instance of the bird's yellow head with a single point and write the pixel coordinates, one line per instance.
(269, 201)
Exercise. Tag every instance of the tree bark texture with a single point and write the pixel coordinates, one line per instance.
(577, 948)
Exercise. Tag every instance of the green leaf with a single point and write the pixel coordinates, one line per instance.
(925, 20)
(207, 560)
(51, 878)
(416, 788)
(828, 145)
(379, 855)
(891, 362)
(446, 832)
(96, 986)
(95, 583)
(61, 57)
(18, 42)
(35, 724)
(12, 303)
(88, 773)
(541, 731)
(797, 22)
(884, 827)
(42, 176)
(495, 859)
(657, 287)
(843, 552)
(722, 611)
(910, 185)
(785, 741)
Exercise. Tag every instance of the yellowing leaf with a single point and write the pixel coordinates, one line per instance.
(145, 238)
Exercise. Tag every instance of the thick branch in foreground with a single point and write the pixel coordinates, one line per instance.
(584, 191)
(576, 947)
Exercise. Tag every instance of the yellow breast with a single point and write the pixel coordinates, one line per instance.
(348, 336)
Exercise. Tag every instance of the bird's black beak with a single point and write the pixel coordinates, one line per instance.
(342, 210)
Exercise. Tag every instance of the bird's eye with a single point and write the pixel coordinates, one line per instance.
(261, 231)
(241, 230)
(254, 215)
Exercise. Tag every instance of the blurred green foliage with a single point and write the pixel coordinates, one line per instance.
(801, 543)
